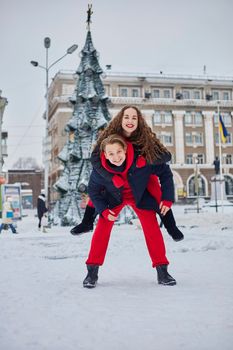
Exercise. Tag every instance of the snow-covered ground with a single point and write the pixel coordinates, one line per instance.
(43, 305)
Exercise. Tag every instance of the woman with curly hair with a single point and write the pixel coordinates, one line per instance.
(130, 124)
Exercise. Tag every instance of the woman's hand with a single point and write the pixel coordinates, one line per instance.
(165, 207)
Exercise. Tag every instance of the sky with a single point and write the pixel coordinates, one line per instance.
(177, 37)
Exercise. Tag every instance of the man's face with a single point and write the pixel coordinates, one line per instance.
(115, 153)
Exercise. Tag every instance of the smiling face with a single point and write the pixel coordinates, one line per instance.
(129, 121)
(115, 153)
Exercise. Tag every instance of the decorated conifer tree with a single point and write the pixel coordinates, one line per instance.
(90, 115)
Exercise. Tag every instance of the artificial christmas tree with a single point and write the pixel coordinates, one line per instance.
(90, 115)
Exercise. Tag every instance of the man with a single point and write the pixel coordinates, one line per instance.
(41, 210)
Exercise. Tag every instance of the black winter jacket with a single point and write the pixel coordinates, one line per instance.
(41, 208)
(105, 195)
(97, 165)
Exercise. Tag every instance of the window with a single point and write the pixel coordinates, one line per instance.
(189, 159)
(194, 138)
(200, 158)
(201, 187)
(157, 118)
(161, 117)
(193, 118)
(226, 95)
(198, 118)
(198, 138)
(226, 119)
(124, 92)
(228, 139)
(135, 93)
(168, 118)
(196, 95)
(228, 185)
(166, 138)
(186, 94)
(188, 118)
(228, 159)
(166, 93)
(188, 138)
(155, 93)
(67, 89)
(216, 119)
(215, 95)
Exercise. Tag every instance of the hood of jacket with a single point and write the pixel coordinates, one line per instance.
(129, 161)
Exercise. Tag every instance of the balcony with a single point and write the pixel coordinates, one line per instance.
(169, 102)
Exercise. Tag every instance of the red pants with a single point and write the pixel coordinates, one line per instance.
(152, 233)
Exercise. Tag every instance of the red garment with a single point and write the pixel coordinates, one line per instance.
(154, 188)
(152, 232)
(90, 204)
(118, 182)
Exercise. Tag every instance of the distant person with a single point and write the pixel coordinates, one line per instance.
(7, 217)
(41, 211)
(216, 165)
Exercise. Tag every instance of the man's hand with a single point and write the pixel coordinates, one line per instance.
(109, 215)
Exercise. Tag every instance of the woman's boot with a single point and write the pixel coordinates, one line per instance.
(170, 225)
(87, 222)
(92, 276)
(164, 277)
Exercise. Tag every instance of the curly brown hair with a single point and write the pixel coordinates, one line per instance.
(143, 137)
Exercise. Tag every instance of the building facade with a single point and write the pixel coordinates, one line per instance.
(181, 110)
(30, 179)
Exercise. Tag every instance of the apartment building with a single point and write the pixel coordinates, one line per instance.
(182, 110)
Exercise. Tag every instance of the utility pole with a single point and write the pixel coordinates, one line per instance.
(69, 51)
(3, 103)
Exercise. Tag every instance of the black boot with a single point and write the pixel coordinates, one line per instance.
(87, 222)
(92, 276)
(170, 225)
(164, 277)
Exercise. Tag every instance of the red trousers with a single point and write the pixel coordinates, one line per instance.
(152, 233)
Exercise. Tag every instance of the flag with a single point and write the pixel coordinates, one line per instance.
(223, 131)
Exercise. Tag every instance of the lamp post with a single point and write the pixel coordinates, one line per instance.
(3, 103)
(196, 186)
(47, 67)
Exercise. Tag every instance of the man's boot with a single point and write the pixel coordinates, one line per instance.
(87, 222)
(92, 276)
(170, 225)
(164, 277)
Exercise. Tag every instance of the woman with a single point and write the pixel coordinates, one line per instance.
(130, 124)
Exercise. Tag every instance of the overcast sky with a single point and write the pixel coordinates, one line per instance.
(138, 36)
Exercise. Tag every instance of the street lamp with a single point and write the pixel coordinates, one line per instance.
(196, 182)
(3, 103)
(69, 51)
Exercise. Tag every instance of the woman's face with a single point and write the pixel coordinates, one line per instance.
(115, 153)
(129, 121)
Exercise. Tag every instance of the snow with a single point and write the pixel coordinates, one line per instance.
(43, 305)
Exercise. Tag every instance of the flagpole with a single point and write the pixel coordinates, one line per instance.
(220, 157)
